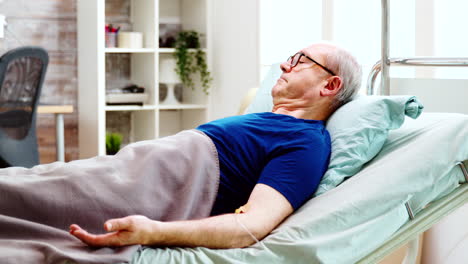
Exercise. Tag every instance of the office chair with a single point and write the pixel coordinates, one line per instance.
(22, 73)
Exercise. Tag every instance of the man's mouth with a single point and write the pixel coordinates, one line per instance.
(282, 78)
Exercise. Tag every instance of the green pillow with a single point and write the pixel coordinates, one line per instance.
(358, 129)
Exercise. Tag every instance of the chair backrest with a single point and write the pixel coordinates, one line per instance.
(22, 73)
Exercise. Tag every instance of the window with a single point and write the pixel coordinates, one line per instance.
(286, 27)
(450, 38)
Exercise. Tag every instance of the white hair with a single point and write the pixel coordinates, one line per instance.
(346, 66)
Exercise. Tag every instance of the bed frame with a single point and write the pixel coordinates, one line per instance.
(410, 232)
(435, 211)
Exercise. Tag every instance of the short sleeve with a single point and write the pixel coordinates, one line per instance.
(297, 171)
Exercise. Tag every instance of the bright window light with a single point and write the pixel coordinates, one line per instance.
(286, 27)
(357, 27)
(450, 36)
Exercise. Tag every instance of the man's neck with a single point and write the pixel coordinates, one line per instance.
(303, 113)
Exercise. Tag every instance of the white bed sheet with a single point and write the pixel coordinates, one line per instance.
(417, 164)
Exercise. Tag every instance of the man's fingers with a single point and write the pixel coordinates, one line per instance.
(121, 232)
(109, 239)
(74, 227)
(108, 226)
(118, 224)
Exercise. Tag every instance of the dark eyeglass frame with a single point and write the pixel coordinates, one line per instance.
(293, 62)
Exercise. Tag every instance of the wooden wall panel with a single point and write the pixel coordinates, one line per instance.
(40, 9)
(52, 25)
(117, 11)
(56, 35)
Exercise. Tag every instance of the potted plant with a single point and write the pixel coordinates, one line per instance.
(113, 142)
(188, 63)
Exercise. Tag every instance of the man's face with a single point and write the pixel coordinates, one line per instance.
(305, 79)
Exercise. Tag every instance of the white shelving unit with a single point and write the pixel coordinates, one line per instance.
(152, 119)
(123, 50)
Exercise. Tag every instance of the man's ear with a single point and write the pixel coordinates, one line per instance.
(332, 87)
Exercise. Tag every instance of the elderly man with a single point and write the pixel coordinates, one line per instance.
(226, 184)
(270, 163)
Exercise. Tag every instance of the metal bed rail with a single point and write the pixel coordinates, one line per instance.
(387, 61)
(410, 61)
(422, 222)
(435, 211)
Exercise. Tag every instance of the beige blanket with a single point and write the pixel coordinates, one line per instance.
(173, 178)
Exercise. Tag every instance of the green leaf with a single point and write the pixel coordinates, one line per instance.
(113, 142)
(190, 63)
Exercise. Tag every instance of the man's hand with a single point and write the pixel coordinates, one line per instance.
(266, 208)
(130, 230)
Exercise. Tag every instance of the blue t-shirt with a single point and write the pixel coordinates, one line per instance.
(281, 151)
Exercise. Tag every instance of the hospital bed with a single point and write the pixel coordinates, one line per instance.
(418, 177)
(410, 233)
(364, 218)
(433, 213)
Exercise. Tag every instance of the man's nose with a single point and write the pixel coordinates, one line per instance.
(285, 66)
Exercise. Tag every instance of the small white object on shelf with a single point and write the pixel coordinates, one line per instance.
(130, 40)
(168, 76)
(126, 98)
(120, 108)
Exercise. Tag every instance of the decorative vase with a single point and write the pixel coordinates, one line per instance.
(169, 77)
(178, 92)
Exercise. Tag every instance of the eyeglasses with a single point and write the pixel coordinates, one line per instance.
(294, 60)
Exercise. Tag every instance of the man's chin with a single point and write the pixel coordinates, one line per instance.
(274, 89)
(279, 83)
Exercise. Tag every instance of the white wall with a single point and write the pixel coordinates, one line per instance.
(447, 241)
(235, 54)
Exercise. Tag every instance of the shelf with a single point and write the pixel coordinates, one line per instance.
(129, 107)
(172, 50)
(153, 107)
(182, 106)
(144, 50)
(120, 50)
(101, 68)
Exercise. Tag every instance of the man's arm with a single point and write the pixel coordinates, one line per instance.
(266, 209)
